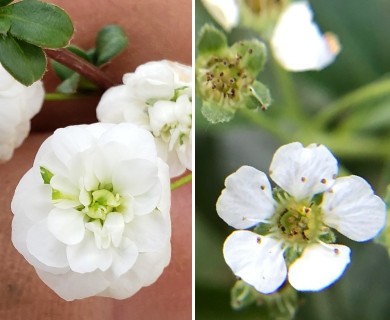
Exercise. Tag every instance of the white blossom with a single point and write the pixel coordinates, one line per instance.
(157, 97)
(18, 104)
(225, 12)
(298, 216)
(92, 214)
(297, 42)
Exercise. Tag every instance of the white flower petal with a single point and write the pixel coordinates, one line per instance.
(72, 285)
(114, 225)
(112, 104)
(318, 267)
(258, 260)
(124, 258)
(297, 42)
(149, 232)
(247, 198)
(303, 172)
(66, 225)
(43, 246)
(225, 12)
(86, 257)
(352, 208)
(164, 203)
(135, 177)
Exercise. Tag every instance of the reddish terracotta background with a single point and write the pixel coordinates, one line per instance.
(157, 30)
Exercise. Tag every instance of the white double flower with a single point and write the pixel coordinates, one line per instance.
(293, 237)
(92, 214)
(18, 104)
(157, 97)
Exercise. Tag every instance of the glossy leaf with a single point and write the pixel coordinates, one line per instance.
(110, 42)
(24, 61)
(39, 23)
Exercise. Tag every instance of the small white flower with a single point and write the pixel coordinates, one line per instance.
(225, 12)
(18, 104)
(157, 97)
(297, 42)
(92, 214)
(297, 219)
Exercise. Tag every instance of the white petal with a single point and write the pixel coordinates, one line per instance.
(256, 259)
(67, 225)
(247, 198)
(148, 201)
(303, 172)
(134, 177)
(318, 267)
(112, 105)
(86, 257)
(72, 285)
(352, 208)
(114, 225)
(297, 42)
(149, 232)
(43, 246)
(124, 257)
(164, 203)
(225, 12)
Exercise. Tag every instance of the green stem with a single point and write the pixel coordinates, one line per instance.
(181, 182)
(56, 96)
(353, 99)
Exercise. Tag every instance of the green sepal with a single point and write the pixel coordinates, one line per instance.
(5, 25)
(110, 42)
(262, 228)
(291, 254)
(261, 93)
(215, 113)
(211, 40)
(39, 23)
(46, 175)
(24, 61)
(242, 295)
(5, 2)
(253, 55)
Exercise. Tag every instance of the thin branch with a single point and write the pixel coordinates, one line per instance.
(81, 66)
(181, 182)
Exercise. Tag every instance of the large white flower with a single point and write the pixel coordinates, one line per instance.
(157, 97)
(297, 42)
(92, 214)
(293, 236)
(18, 104)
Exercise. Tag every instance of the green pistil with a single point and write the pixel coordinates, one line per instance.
(103, 202)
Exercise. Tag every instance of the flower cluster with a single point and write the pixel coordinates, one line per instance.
(157, 97)
(18, 104)
(293, 222)
(296, 41)
(92, 214)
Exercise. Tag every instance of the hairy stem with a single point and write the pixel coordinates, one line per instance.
(81, 66)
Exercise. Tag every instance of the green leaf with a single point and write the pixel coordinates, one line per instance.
(46, 175)
(261, 93)
(211, 40)
(5, 25)
(5, 2)
(25, 62)
(253, 54)
(69, 85)
(110, 42)
(39, 23)
(64, 72)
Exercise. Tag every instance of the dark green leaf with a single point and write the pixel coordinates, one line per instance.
(5, 2)
(110, 41)
(39, 23)
(5, 24)
(211, 40)
(69, 85)
(25, 62)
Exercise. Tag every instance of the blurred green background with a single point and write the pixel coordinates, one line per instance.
(363, 28)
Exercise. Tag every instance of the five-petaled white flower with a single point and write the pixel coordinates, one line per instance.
(92, 214)
(298, 43)
(293, 221)
(157, 97)
(18, 104)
